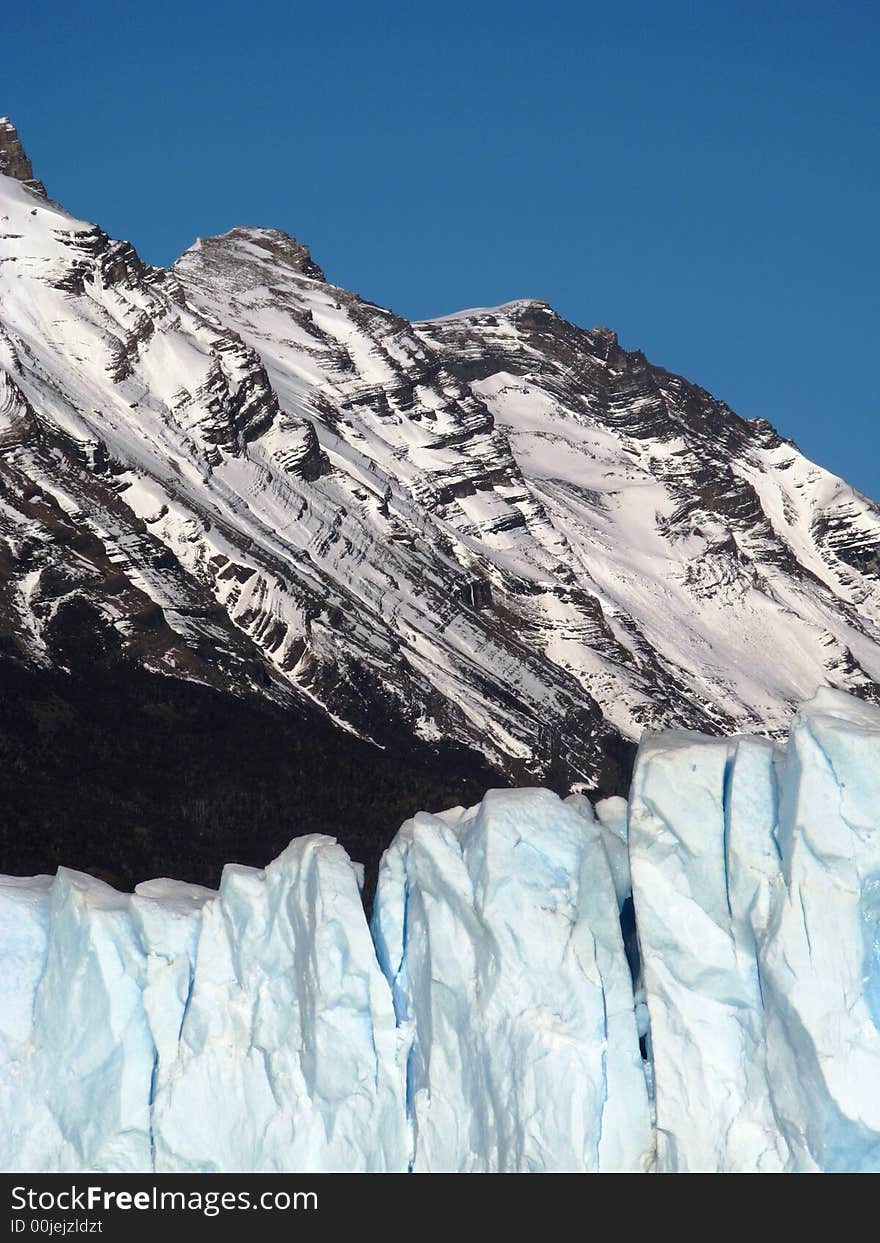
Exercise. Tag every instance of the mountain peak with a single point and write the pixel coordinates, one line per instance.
(272, 244)
(13, 158)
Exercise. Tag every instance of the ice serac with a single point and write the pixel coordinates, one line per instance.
(821, 962)
(756, 877)
(498, 928)
(78, 1092)
(290, 1018)
(693, 881)
(24, 939)
(178, 1029)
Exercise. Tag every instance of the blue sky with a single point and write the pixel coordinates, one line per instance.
(703, 178)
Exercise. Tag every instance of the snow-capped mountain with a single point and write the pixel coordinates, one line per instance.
(494, 530)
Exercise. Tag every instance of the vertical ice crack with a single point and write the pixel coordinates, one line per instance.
(152, 1101)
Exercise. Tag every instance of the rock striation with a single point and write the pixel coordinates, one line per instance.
(494, 531)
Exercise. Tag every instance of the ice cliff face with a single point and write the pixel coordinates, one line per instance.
(501, 1018)
(755, 879)
(499, 931)
(179, 1029)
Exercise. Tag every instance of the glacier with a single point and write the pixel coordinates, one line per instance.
(688, 980)
(499, 930)
(179, 1029)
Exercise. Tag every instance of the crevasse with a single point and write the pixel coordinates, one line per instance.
(492, 1020)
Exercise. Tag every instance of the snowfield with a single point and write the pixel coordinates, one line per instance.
(494, 1021)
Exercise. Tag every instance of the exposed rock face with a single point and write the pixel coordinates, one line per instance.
(277, 247)
(13, 160)
(494, 529)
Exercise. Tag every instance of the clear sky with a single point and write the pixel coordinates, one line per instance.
(704, 177)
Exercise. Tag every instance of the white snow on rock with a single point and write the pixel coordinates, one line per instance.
(499, 929)
(497, 526)
(492, 1023)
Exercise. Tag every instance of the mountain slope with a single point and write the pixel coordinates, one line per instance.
(684, 565)
(495, 531)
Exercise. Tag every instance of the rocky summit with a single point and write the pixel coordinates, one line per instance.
(265, 544)
(13, 158)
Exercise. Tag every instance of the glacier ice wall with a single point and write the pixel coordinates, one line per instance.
(698, 891)
(756, 878)
(178, 1029)
(501, 1016)
(499, 930)
(822, 953)
(289, 1018)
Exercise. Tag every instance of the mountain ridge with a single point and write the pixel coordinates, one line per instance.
(492, 530)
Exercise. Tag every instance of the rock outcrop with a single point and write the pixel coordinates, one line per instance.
(13, 158)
